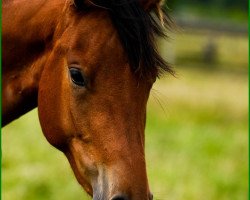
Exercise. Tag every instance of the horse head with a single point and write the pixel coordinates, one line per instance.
(93, 93)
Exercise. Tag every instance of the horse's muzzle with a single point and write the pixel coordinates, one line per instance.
(122, 197)
(125, 197)
(109, 194)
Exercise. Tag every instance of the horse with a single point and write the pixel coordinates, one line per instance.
(89, 66)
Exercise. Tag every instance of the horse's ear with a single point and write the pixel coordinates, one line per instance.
(156, 7)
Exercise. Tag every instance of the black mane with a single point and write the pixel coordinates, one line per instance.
(137, 29)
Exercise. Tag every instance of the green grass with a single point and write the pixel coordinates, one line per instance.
(197, 148)
(196, 137)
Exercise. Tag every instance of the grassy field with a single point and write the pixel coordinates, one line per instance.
(196, 134)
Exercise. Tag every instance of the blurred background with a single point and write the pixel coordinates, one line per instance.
(197, 122)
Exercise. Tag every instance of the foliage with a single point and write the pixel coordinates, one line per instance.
(226, 9)
(225, 4)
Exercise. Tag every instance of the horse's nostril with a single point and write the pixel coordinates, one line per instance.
(119, 197)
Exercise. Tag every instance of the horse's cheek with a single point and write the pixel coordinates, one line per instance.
(53, 112)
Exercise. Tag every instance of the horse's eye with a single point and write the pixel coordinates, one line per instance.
(77, 77)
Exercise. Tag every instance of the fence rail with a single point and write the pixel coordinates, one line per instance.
(218, 26)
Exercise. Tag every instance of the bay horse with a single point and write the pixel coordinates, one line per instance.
(88, 66)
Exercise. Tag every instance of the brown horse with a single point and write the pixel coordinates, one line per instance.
(89, 67)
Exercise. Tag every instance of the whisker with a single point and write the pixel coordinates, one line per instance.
(157, 97)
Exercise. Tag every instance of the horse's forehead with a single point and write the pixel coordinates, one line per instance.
(92, 39)
(90, 31)
(91, 23)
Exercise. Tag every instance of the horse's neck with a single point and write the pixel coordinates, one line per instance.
(27, 34)
(27, 29)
